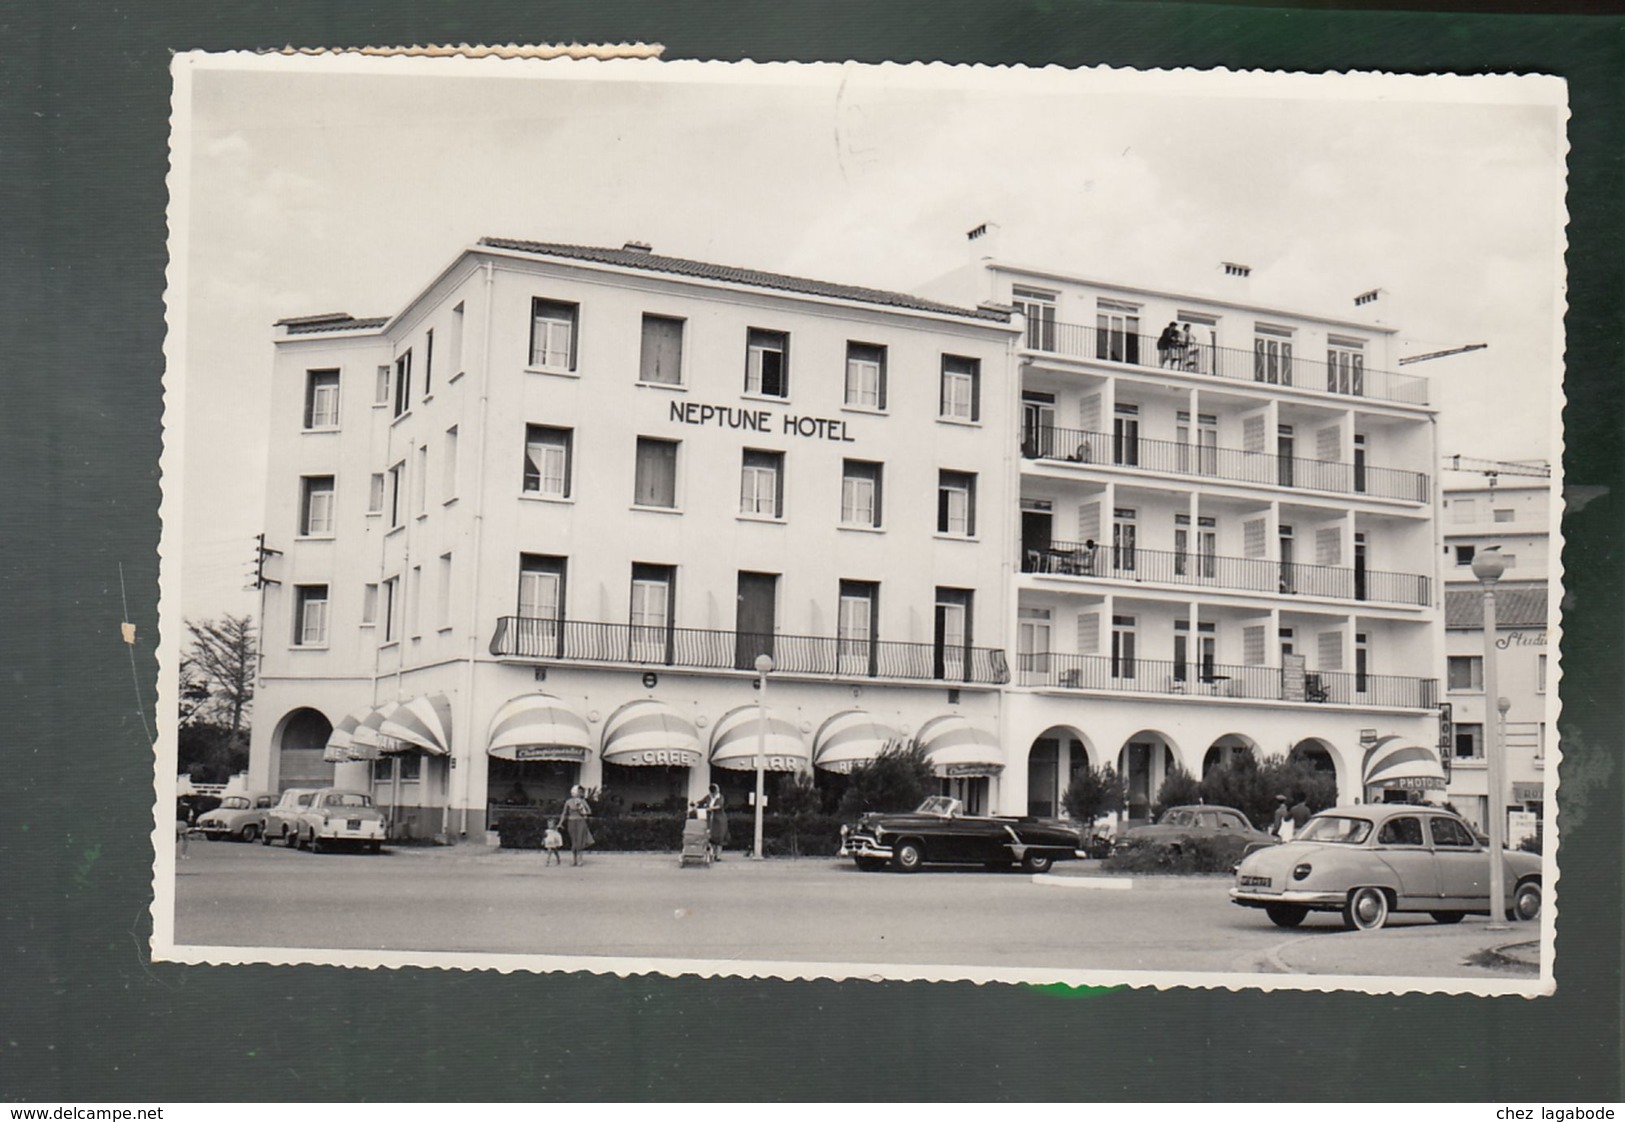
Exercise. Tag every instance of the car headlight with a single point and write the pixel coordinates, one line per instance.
(1301, 871)
(879, 833)
(844, 829)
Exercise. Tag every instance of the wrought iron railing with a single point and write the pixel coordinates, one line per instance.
(701, 649)
(1046, 442)
(1204, 679)
(1268, 363)
(1242, 574)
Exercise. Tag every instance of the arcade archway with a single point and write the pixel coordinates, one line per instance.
(1144, 762)
(301, 743)
(1055, 754)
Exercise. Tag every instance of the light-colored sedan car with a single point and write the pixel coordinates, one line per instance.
(334, 815)
(240, 817)
(282, 820)
(1367, 862)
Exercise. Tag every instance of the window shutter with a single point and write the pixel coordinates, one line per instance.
(1089, 522)
(1329, 546)
(1253, 544)
(1089, 413)
(1331, 650)
(1252, 433)
(1088, 633)
(1252, 645)
(1329, 445)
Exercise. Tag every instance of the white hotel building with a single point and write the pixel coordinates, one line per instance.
(536, 528)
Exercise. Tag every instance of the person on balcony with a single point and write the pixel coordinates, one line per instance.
(1168, 344)
(1191, 354)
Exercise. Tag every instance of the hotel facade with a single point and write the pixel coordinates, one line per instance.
(538, 527)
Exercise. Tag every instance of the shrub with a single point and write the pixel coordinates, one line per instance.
(1530, 844)
(898, 779)
(1093, 793)
(1194, 855)
(1178, 789)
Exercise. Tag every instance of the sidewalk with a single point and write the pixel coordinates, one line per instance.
(1416, 950)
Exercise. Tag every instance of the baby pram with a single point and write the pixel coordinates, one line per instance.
(696, 841)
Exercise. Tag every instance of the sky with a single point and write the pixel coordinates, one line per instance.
(305, 185)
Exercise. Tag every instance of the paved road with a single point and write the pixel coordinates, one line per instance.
(644, 906)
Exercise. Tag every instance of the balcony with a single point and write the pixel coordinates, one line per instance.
(1211, 680)
(1236, 574)
(687, 648)
(1078, 446)
(1270, 363)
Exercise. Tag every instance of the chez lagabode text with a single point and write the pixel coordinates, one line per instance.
(758, 420)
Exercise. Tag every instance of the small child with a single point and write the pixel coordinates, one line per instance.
(553, 842)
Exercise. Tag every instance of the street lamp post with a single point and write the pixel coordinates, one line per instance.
(764, 665)
(1488, 567)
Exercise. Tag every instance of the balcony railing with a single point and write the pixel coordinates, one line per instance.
(1079, 446)
(1271, 362)
(1240, 574)
(697, 649)
(1203, 679)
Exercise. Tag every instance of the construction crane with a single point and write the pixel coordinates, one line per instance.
(1408, 359)
(1494, 469)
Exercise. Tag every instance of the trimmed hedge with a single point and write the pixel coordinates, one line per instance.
(1195, 855)
(809, 835)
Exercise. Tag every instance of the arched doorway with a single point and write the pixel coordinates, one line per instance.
(1144, 762)
(1230, 750)
(1322, 760)
(1055, 754)
(301, 743)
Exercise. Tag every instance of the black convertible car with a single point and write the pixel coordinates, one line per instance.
(940, 832)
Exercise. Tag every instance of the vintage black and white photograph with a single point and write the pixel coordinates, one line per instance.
(863, 521)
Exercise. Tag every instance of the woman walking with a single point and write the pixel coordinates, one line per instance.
(718, 823)
(576, 813)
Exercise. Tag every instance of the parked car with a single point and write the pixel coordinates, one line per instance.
(282, 820)
(1367, 862)
(335, 815)
(240, 817)
(1181, 822)
(940, 832)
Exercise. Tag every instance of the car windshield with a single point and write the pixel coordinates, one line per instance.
(349, 800)
(234, 802)
(1335, 828)
(940, 805)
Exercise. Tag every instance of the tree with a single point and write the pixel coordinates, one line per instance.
(223, 658)
(899, 778)
(1093, 793)
(1179, 788)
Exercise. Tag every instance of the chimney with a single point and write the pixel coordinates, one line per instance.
(1376, 305)
(984, 241)
(638, 247)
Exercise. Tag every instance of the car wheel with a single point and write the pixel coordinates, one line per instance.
(250, 832)
(1366, 910)
(375, 845)
(1037, 862)
(1286, 915)
(1526, 902)
(1447, 918)
(870, 864)
(290, 838)
(315, 842)
(907, 857)
(265, 838)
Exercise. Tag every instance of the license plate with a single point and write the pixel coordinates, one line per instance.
(1255, 882)
(355, 823)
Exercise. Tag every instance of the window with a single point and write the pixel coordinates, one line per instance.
(662, 359)
(420, 482)
(448, 466)
(1465, 554)
(855, 627)
(1504, 514)
(322, 399)
(369, 604)
(767, 363)
(1345, 366)
(1122, 646)
(860, 493)
(961, 388)
(1450, 834)
(1032, 645)
(392, 623)
(1117, 331)
(1469, 742)
(1198, 448)
(410, 764)
(552, 335)
(1272, 355)
(414, 601)
(455, 347)
(1038, 308)
(1202, 652)
(310, 623)
(541, 603)
(651, 612)
(397, 476)
(1466, 672)
(1401, 831)
(316, 506)
(1362, 662)
(761, 484)
(656, 483)
(380, 395)
(403, 383)
(866, 375)
(956, 503)
(1206, 546)
(1126, 435)
(547, 461)
(375, 494)
(1540, 674)
(442, 613)
(1125, 537)
(953, 633)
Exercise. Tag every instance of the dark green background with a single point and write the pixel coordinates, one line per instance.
(84, 104)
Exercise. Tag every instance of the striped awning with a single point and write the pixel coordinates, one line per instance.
(956, 746)
(849, 738)
(735, 739)
(338, 744)
(539, 726)
(1391, 763)
(650, 733)
(420, 725)
(366, 743)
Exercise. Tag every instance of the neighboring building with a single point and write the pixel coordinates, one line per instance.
(1513, 513)
(1227, 540)
(537, 527)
